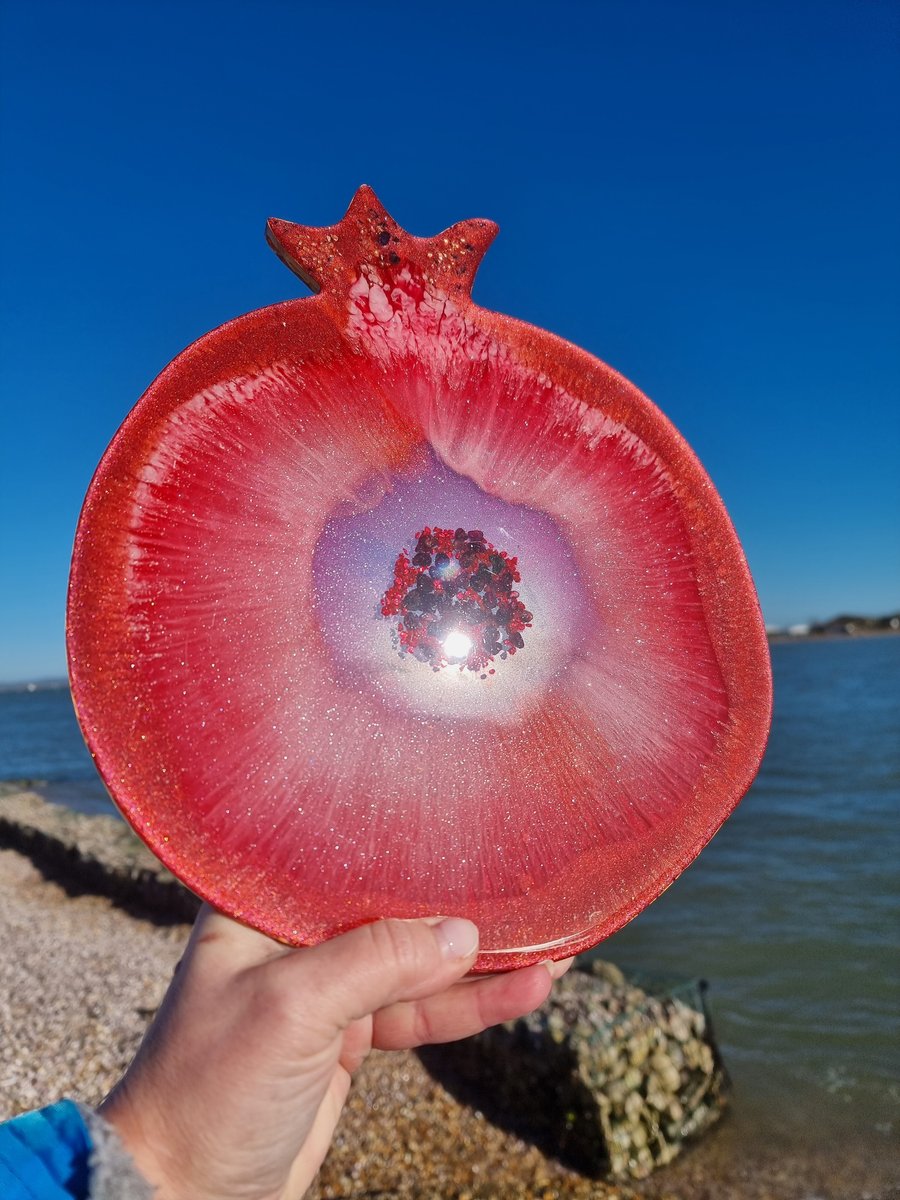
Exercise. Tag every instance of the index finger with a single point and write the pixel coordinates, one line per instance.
(466, 1008)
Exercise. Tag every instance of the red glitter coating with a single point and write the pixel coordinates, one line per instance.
(206, 689)
(457, 584)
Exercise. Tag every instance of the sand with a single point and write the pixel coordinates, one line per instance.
(80, 978)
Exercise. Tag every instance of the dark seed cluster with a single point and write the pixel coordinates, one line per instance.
(456, 601)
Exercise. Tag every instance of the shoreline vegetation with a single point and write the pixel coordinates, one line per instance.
(847, 625)
(93, 926)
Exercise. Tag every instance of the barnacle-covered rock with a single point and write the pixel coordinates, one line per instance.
(610, 1077)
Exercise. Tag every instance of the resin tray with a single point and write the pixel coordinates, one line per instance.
(383, 604)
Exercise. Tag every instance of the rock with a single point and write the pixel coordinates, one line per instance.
(93, 854)
(601, 969)
(609, 1077)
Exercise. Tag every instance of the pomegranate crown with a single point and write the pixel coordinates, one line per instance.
(328, 259)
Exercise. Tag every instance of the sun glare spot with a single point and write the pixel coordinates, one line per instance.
(457, 645)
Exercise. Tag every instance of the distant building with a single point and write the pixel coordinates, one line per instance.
(851, 624)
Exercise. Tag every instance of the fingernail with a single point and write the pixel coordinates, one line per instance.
(558, 969)
(457, 937)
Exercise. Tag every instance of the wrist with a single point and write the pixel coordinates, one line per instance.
(147, 1151)
(114, 1171)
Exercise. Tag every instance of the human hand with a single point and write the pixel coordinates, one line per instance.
(238, 1085)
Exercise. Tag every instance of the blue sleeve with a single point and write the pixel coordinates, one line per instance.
(44, 1155)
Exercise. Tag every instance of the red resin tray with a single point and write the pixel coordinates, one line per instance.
(383, 604)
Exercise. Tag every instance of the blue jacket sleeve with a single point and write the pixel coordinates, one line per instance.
(44, 1155)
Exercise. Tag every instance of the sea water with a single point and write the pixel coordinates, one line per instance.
(792, 913)
(41, 744)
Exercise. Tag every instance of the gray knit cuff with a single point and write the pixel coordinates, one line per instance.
(113, 1173)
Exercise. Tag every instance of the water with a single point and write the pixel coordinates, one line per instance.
(792, 913)
(40, 741)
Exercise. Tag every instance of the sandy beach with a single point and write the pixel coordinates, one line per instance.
(81, 977)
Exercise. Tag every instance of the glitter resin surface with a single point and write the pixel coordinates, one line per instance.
(383, 604)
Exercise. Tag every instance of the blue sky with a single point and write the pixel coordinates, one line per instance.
(702, 194)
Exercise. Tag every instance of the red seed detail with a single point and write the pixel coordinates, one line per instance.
(455, 600)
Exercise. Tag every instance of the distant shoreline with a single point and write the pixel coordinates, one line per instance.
(780, 639)
(35, 685)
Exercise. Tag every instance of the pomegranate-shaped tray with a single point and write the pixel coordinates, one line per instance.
(383, 604)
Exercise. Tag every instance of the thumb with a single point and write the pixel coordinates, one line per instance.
(360, 972)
